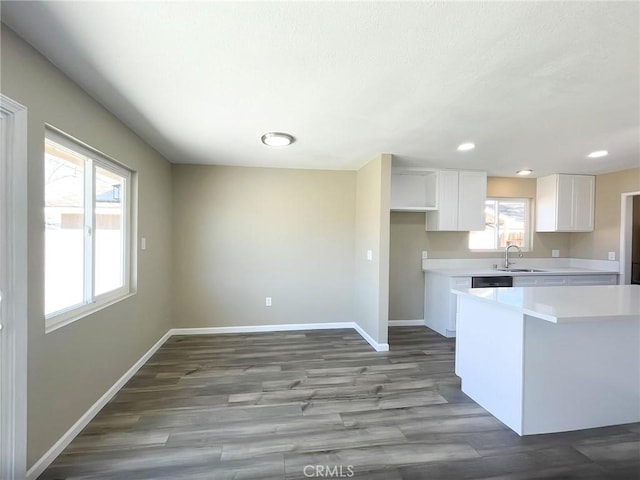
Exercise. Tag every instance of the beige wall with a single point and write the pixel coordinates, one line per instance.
(372, 233)
(409, 239)
(406, 280)
(70, 368)
(242, 234)
(606, 235)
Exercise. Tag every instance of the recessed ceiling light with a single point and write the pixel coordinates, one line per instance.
(524, 172)
(465, 147)
(598, 154)
(277, 139)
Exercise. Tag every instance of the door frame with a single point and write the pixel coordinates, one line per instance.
(626, 226)
(13, 281)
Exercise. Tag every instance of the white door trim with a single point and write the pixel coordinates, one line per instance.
(13, 282)
(626, 225)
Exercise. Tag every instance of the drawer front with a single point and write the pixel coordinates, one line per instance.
(461, 282)
(593, 280)
(551, 280)
(523, 281)
(540, 281)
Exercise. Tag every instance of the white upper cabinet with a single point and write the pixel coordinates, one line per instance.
(472, 197)
(565, 203)
(413, 189)
(461, 201)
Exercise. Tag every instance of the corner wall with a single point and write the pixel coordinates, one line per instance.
(72, 367)
(373, 191)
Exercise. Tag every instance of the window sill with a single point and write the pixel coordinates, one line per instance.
(67, 318)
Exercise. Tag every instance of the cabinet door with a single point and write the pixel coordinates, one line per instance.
(472, 196)
(461, 282)
(583, 202)
(546, 203)
(565, 203)
(446, 217)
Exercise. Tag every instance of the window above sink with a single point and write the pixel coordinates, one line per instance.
(507, 222)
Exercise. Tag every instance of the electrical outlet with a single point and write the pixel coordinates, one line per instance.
(555, 253)
(424, 255)
(612, 255)
(267, 301)
(369, 254)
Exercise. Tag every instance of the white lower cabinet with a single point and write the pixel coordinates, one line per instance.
(440, 303)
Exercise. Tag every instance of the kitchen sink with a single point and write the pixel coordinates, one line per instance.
(520, 270)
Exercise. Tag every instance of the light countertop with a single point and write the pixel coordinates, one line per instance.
(483, 272)
(566, 304)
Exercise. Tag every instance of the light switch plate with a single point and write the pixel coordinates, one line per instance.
(369, 254)
(612, 255)
(424, 255)
(143, 243)
(555, 253)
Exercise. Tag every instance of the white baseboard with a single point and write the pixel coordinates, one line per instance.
(379, 347)
(407, 323)
(260, 328)
(40, 466)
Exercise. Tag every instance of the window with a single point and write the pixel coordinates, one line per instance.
(506, 223)
(87, 229)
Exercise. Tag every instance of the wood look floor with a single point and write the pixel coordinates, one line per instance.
(267, 405)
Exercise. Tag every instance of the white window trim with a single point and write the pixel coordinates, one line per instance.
(93, 303)
(72, 314)
(527, 221)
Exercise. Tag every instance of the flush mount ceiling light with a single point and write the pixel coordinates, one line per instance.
(598, 154)
(465, 147)
(277, 139)
(526, 171)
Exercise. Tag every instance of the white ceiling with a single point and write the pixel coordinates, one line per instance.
(533, 84)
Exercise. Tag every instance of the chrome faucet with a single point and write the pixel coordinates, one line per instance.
(507, 262)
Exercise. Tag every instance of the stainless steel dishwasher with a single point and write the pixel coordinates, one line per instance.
(492, 281)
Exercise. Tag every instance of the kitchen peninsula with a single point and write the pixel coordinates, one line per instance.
(546, 359)
(441, 275)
